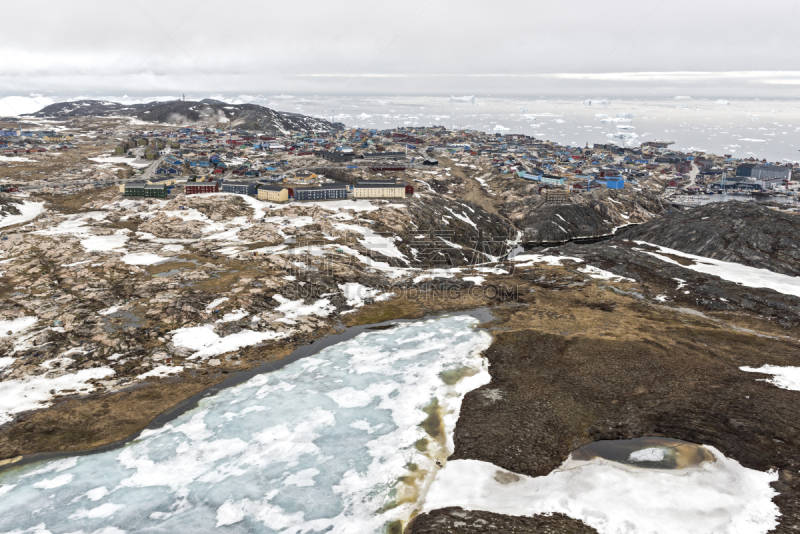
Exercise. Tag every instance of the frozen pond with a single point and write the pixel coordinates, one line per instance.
(344, 441)
(647, 452)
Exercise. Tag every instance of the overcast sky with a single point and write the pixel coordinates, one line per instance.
(569, 48)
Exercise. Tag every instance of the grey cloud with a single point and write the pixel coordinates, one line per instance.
(416, 46)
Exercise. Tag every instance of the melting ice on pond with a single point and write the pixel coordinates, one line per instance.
(340, 442)
(686, 489)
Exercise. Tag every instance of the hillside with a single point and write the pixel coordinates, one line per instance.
(746, 233)
(205, 112)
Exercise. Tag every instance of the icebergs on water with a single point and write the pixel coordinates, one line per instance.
(470, 99)
(600, 102)
(722, 102)
(683, 98)
(328, 443)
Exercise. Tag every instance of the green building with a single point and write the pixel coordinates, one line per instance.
(135, 189)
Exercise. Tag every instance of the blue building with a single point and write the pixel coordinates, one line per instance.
(615, 183)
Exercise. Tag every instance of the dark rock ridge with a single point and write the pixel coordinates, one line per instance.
(477, 234)
(557, 393)
(588, 218)
(459, 521)
(438, 232)
(676, 284)
(8, 205)
(739, 232)
(205, 112)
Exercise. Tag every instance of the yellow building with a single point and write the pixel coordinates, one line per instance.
(377, 189)
(163, 181)
(273, 193)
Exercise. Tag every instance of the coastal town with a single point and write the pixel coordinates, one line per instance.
(148, 264)
(171, 161)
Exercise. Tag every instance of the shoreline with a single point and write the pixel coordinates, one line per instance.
(482, 313)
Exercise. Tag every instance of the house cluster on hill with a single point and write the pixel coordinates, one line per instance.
(245, 163)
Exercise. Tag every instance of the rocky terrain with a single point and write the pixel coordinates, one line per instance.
(8, 205)
(746, 233)
(207, 111)
(110, 282)
(115, 310)
(458, 521)
(659, 357)
(586, 216)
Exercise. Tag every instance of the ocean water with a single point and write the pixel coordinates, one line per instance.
(344, 441)
(742, 128)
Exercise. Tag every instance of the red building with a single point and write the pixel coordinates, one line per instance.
(197, 188)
